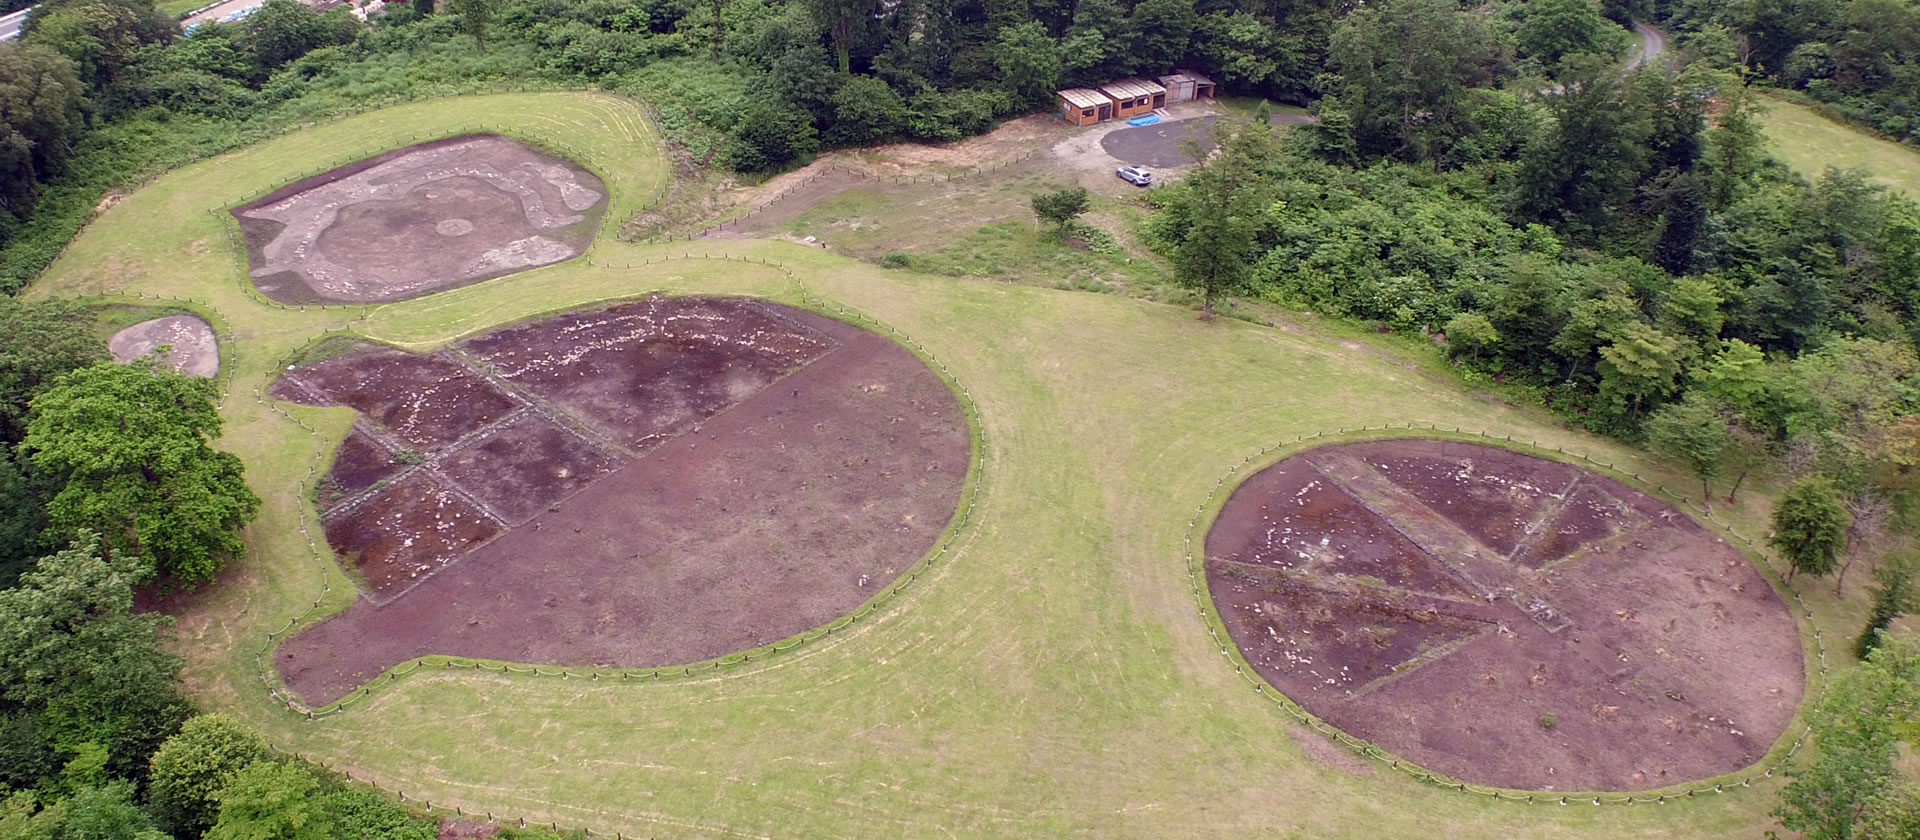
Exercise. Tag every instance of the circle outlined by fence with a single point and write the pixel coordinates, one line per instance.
(948, 543)
(1816, 674)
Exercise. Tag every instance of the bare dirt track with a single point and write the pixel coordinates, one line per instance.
(193, 348)
(420, 219)
(657, 483)
(1504, 619)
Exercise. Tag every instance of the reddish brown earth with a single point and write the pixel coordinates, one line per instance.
(418, 220)
(656, 483)
(1443, 599)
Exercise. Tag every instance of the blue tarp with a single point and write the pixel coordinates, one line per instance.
(1146, 120)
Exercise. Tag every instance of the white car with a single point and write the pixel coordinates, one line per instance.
(1135, 175)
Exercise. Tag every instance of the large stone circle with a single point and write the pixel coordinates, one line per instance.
(418, 220)
(656, 483)
(1504, 619)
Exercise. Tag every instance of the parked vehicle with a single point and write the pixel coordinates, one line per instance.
(1135, 175)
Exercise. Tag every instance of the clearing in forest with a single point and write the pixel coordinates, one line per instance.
(656, 483)
(1504, 619)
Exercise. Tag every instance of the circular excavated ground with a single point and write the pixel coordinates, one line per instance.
(656, 483)
(1504, 619)
(418, 220)
(193, 349)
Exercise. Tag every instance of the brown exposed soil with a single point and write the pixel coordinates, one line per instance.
(1504, 619)
(418, 220)
(656, 483)
(193, 349)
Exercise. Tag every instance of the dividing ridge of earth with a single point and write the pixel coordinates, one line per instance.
(656, 483)
(1504, 619)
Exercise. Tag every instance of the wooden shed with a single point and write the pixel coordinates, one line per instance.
(1203, 87)
(1081, 106)
(1133, 97)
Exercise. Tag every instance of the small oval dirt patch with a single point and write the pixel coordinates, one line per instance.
(195, 351)
(1504, 619)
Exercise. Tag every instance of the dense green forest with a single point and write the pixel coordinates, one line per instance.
(1861, 58)
(1606, 239)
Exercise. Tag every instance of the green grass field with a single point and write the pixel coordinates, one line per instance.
(1803, 139)
(1054, 678)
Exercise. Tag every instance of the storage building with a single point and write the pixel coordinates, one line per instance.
(1133, 97)
(1187, 85)
(1081, 106)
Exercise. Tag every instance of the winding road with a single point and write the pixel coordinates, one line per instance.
(1653, 44)
(10, 24)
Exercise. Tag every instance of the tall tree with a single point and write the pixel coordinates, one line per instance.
(39, 341)
(1639, 364)
(130, 443)
(271, 800)
(1691, 432)
(1591, 158)
(1095, 48)
(75, 657)
(1858, 726)
(102, 37)
(1810, 527)
(1405, 70)
(42, 113)
(1551, 30)
(193, 766)
(1162, 30)
(1893, 596)
(1029, 63)
(844, 20)
(1221, 202)
(283, 30)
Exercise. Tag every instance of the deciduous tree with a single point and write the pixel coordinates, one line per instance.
(1061, 207)
(192, 767)
(1691, 432)
(130, 445)
(271, 800)
(1810, 526)
(1858, 726)
(75, 656)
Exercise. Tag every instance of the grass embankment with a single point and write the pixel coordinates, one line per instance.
(1809, 143)
(1054, 678)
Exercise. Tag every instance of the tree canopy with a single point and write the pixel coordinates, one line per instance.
(131, 444)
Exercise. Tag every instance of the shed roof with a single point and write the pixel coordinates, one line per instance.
(1194, 75)
(1132, 88)
(1083, 98)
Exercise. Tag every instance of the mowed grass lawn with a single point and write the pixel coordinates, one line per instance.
(1054, 679)
(1803, 139)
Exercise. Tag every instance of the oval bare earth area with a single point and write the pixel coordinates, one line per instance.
(418, 220)
(1504, 619)
(656, 483)
(192, 347)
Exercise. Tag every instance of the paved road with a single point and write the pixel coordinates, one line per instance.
(10, 24)
(1653, 43)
